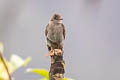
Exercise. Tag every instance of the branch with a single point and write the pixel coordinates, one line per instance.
(57, 68)
(5, 66)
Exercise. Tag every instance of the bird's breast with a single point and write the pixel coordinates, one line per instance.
(55, 34)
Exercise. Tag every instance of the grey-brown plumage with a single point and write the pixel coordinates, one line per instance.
(55, 33)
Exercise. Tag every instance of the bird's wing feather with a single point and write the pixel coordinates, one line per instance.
(46, 30)
(64, 31)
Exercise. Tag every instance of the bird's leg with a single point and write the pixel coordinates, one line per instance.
(49, 48)
(59, 50)
(51, 52)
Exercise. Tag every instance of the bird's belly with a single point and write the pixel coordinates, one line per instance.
(55, 37)
(55, 34)
(55, 42)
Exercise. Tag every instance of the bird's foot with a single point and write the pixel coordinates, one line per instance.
(58, 52)
(50, 53)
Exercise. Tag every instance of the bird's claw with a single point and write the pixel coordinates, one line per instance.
(58, 51)
(55, 52)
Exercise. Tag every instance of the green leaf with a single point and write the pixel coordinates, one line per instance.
(1, 79)
(67, 78)
(18, 62)
(42, 72)
(43, 79)
(26, 61)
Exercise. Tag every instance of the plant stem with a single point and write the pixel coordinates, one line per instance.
(5, 66)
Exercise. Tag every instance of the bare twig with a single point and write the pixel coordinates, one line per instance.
(5, 66)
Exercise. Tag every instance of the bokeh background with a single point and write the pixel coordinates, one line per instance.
(92, 47)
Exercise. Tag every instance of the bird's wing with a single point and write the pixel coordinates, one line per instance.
(46, 30)
(64, 31)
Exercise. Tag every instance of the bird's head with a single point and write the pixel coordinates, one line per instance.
(57, 18)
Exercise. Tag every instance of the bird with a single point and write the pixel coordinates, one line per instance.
(55, 34)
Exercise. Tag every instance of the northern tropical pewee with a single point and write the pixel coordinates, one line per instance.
(55, 33)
